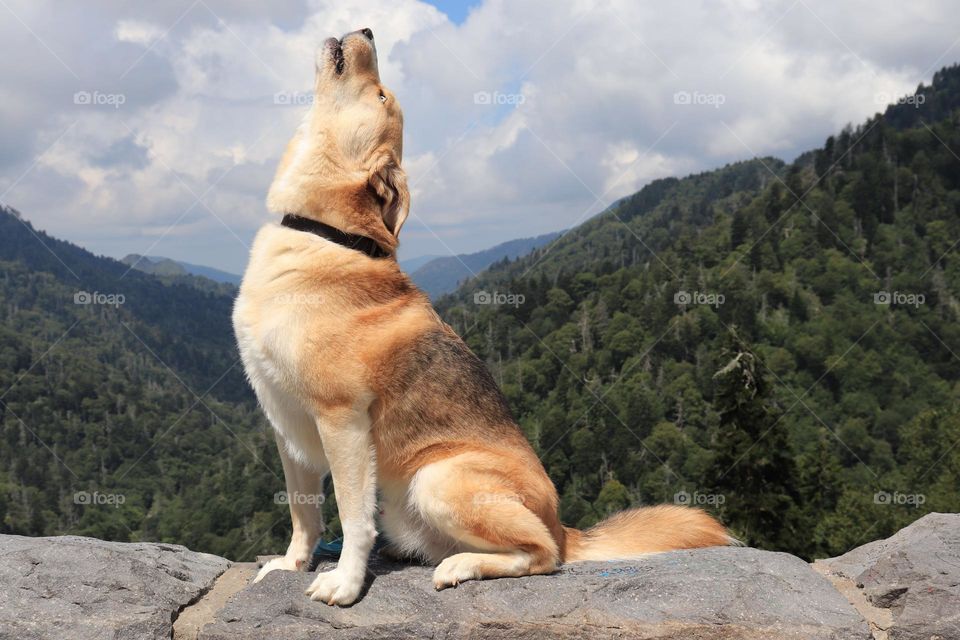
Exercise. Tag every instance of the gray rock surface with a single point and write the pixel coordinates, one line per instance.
(904, 588)
(913, 575)
(83, 588)
(708, 593)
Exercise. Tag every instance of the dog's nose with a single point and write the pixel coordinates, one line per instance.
(365, 31)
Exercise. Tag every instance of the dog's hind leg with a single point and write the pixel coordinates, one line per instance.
(491, 532)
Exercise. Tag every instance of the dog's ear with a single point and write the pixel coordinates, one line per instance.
(389, 181)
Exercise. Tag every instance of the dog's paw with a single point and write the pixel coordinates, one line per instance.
(454, 570)
(336, 587)
(283, 563)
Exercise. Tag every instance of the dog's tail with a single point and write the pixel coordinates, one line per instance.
(636, 532)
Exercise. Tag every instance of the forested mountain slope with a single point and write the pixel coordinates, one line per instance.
(777, 343)
(123, 409)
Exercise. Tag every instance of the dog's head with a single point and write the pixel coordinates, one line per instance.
(342, 166)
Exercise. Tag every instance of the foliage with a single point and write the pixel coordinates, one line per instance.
(127, 421)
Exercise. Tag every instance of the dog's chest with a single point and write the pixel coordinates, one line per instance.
(269, 341)
(266, 349)
(268, 317)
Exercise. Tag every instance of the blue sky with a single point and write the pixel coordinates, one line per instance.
(155, 128)
(456, 10)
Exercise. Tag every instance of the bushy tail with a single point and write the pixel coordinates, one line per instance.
(634, 532)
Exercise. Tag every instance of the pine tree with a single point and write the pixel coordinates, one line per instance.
(753, 468)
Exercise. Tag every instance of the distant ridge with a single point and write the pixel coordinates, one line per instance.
(160, 266)
(410, 265)
(443, 275)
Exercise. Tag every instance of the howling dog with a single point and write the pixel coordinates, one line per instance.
(360, 378)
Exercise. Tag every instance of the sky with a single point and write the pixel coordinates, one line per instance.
(155, 127)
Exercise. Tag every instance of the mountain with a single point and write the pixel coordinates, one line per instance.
(167, 267)
(155, 265)
(774, 342)
(124, 412)
(214, 274)
(410, 265)
(442, 274)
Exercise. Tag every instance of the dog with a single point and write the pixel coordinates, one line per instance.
(359, 377)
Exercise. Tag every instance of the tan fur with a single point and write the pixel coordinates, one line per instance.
(360, 378)
(635, 532)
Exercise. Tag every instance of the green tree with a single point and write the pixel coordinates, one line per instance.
(753, 468)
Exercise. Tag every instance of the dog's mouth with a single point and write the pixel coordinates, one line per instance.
(336, 54)
(335, 47)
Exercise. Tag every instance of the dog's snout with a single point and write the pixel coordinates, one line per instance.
(367, 32)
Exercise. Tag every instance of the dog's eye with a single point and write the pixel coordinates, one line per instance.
(383, 98)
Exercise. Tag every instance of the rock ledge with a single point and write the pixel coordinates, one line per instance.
(909, 584)
(903, 588)
(83, 588)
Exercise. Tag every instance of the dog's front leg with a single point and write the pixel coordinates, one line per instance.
(305, 498)
(348, 444)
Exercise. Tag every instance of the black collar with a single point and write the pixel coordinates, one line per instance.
(363, 244)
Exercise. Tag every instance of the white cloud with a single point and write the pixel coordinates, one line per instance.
(138, 32)
(581, 103)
